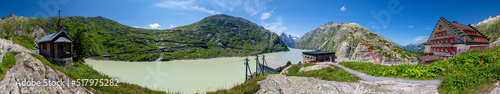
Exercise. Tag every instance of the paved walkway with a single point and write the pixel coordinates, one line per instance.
(373, 78)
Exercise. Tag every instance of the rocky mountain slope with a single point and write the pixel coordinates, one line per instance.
(214, 36)
(348, 41)
(218, 35)
(415, 47)
(491, 28)
(289, 39)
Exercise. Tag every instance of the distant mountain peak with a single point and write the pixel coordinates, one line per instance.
(487, 20)
(11, 15)
(289, 39)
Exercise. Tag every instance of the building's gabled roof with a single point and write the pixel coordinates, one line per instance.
(51, 37)
(462, 27)
(62, 40)
(463, 30)
(318, 52)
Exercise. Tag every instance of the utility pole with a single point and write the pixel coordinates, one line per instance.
(257, 65)
(247, 69)
(264, 64)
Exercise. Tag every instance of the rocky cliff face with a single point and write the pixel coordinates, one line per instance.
(288, 39)
(348, 41)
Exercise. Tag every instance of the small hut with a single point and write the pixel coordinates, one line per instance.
(57, 47)
(318, 56)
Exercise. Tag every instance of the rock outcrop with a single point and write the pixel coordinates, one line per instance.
(348, 41)
(11, 46)
(29, 68)
(278, 84)
(289, 39)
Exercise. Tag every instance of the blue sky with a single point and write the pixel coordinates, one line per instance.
(402, 21)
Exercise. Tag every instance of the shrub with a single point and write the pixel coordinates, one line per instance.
(294, 69)
(421, 72)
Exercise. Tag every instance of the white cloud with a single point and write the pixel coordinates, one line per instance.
(154, 26)
(184, 5)
(343, 8)
(172, 26)
(276, 27)
(420, 38)
(411, 26)
(139, 27)
(265, 15)
(296, 35)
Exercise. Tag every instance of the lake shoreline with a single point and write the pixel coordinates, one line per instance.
(92, 58)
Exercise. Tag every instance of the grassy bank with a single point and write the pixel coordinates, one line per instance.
(25, 41)
(419, 72)
(248, 87)
(470, 72)
(332, 73)
(83, 71)
(8, 62)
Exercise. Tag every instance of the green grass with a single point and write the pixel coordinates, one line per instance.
(332, 73)
(296, 68)
(419, 72)
(25, 41)
(83, 71)
(8, 61)
(248, 87)
(470, 72)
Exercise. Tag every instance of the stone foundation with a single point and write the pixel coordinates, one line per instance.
(60, 61)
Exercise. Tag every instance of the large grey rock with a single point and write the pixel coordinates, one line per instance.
(11, 46)
(318, 66)
(30, 68)
(281, 84)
